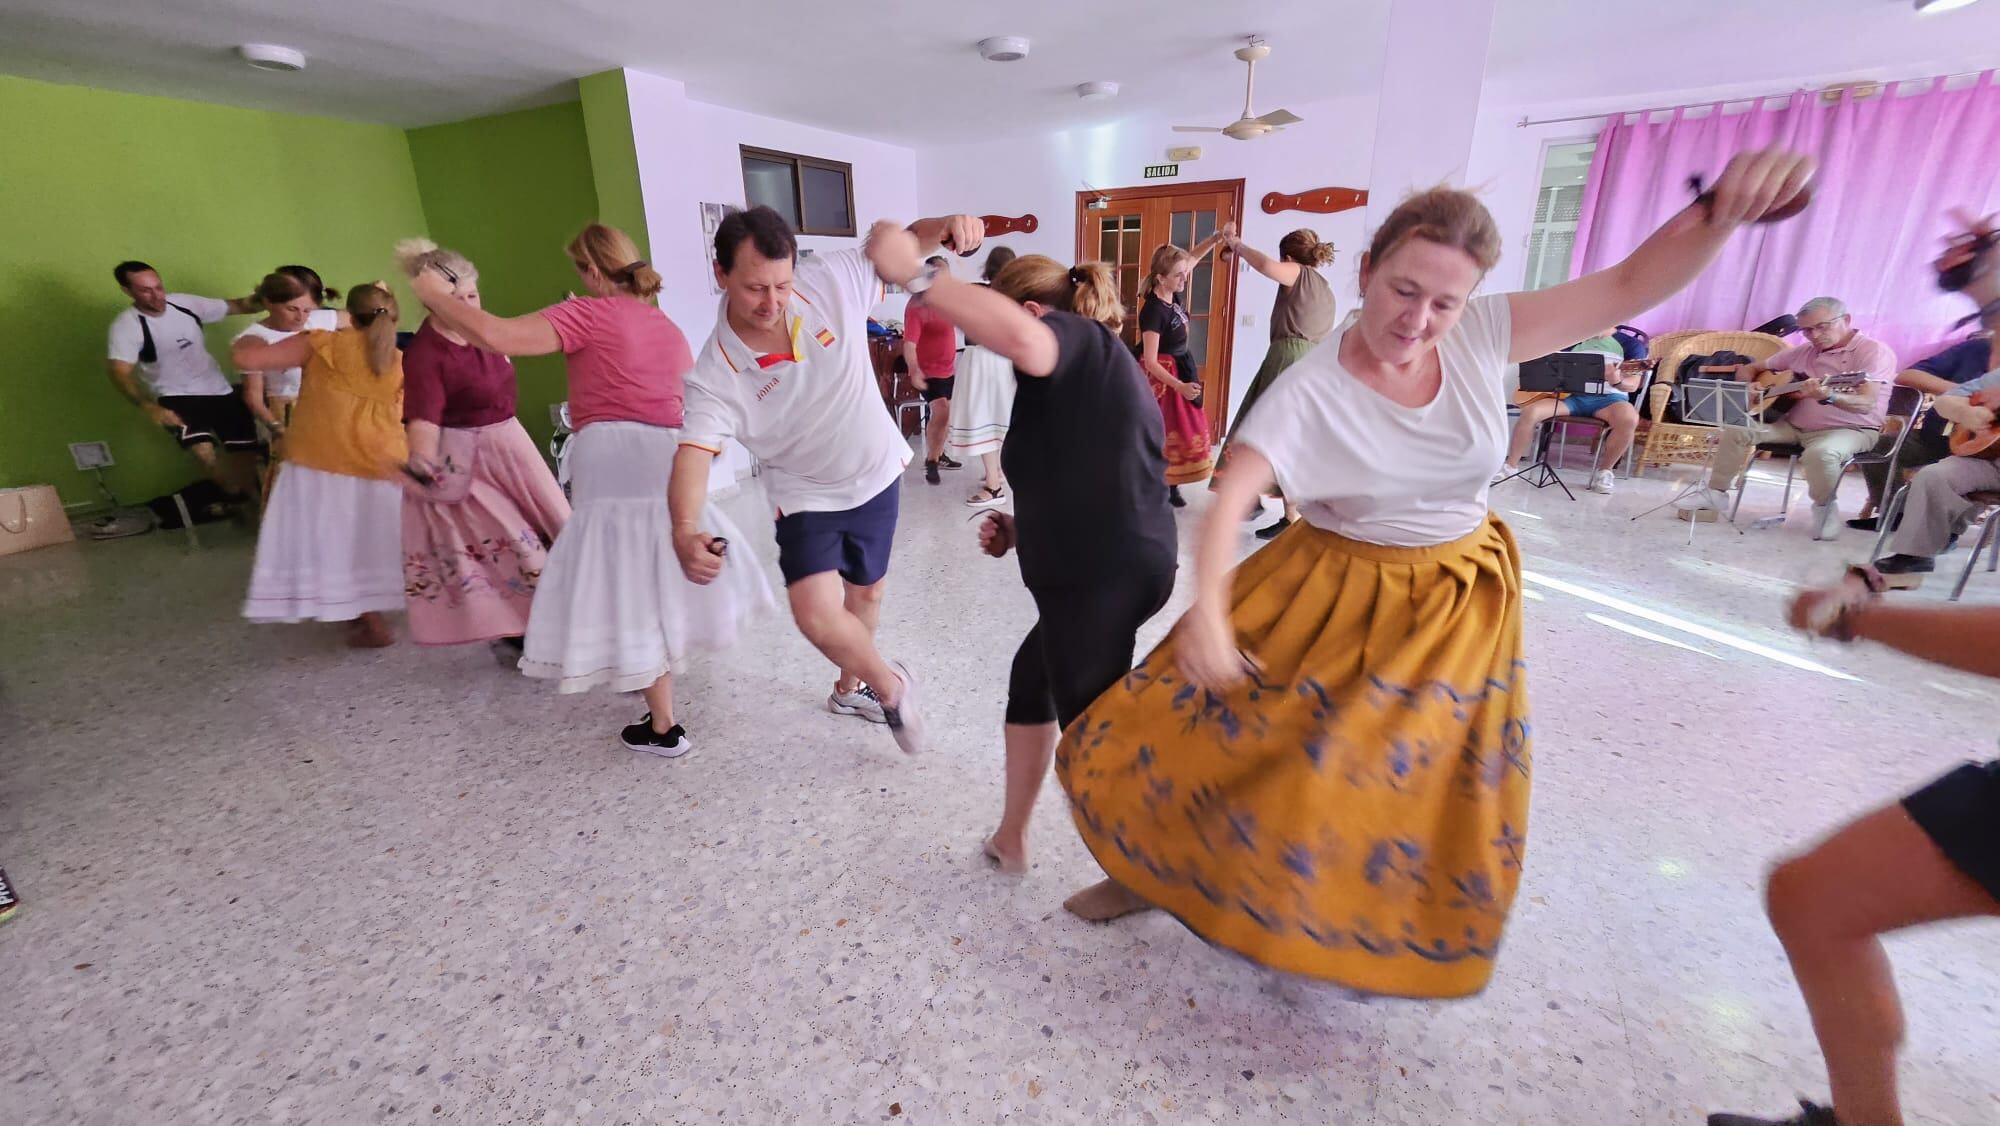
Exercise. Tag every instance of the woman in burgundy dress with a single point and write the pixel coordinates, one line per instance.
(481, 509)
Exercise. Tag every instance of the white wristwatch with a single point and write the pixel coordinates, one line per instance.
(923, 281)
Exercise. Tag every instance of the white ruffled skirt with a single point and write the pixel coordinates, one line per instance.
(982, 402)
(330, 549)
(613, 609)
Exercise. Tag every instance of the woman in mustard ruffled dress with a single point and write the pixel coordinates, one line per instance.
(1326, 767)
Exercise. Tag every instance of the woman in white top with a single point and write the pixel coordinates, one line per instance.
(289, 309)
(1326, 767)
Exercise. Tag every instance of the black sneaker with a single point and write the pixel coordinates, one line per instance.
(946, 461)
(1809, 1115)
(1865, 523)
(1175, 498)
(641, 737)
(1273, 531)
(10, 903)
(931, 473)
(1902, 572)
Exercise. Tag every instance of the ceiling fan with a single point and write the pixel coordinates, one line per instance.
(1249, 126)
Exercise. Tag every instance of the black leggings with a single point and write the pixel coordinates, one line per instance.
(1081, 646)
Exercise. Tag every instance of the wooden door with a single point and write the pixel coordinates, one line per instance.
(1122, 226)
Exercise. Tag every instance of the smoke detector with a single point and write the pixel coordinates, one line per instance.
(270, 56)
(1004, 48)
(1097, 91)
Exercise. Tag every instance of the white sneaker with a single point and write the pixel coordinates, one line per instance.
(862, 703)
(1603, 481)
(1503, 473)
(906, 719)
(1704, 505)
(1826, 521)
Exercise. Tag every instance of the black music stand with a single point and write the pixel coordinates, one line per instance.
(1560, 374)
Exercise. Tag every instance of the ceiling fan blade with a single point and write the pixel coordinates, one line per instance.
(1281, 117)
(1195, 129)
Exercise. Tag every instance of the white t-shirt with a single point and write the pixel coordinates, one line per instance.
(815, 420)
(1363, 467)
(179, 363)
(285, 384)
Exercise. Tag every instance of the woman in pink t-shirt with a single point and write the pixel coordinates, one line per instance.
(613, 608)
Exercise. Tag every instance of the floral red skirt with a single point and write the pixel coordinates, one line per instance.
(1190, 451)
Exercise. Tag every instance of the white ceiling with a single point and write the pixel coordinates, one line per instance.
(906, 71)
(898, 70)
(1554, 51)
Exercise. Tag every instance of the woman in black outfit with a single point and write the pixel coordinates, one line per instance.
(1168, 361)
(1091, 521)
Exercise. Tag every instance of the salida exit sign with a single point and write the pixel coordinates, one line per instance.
(1162, 171)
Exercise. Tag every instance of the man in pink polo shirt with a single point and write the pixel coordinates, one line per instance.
(1832, 427)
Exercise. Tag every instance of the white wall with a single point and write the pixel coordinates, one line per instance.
(688, 155)
(1042, 175)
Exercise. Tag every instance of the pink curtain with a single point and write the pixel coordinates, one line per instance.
(1891, 166)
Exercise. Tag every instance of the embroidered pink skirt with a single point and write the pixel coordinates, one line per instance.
(470, 564)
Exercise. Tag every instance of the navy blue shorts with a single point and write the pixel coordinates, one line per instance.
(854, 543)
(1960, 812)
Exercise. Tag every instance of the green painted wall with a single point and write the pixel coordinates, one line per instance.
(614, 155)
(509, 191)
(211, 195)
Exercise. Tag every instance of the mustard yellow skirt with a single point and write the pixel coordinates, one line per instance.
(1359, 811)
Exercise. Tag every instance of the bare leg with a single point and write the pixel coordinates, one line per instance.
(1878, 874)
(990, 462)
(1623, 420)
(660, 701)
(1532, 415)
(1031, 747)
(940, 425)
(843, 628)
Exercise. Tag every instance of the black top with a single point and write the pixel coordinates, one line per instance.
(1171, 321)
(1084, 457)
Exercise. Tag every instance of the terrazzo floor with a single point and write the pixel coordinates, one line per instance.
(272, 880)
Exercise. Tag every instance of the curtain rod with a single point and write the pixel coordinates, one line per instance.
(1756, 99)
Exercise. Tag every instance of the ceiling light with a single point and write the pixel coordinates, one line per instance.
(1097, 91)
(270, 56)
(1004, 48)
(1931, 7)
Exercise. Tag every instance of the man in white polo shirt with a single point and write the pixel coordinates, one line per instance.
(787, 373)
(161, 338)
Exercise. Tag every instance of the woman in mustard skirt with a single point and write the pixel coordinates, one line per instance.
(1326, 767)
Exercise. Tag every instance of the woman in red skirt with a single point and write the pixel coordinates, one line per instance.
(1165, 357)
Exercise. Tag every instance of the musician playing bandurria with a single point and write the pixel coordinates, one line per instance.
(1832, 427)
(1938, 508)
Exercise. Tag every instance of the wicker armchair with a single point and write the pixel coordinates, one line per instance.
(1664, 443)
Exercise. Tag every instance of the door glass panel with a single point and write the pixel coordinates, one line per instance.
(1107, 244)
(1198, 345)
(1131, 247)
(1198, 285)
(1204, 225)
(1182, 229)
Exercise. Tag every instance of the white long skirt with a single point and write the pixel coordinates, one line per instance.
(330, 549)
(613, 608)
(982, 402)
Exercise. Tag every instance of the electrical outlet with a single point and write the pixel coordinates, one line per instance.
(91, 455)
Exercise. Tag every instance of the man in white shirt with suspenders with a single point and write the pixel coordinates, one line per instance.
(161, 338)
(788, 374)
